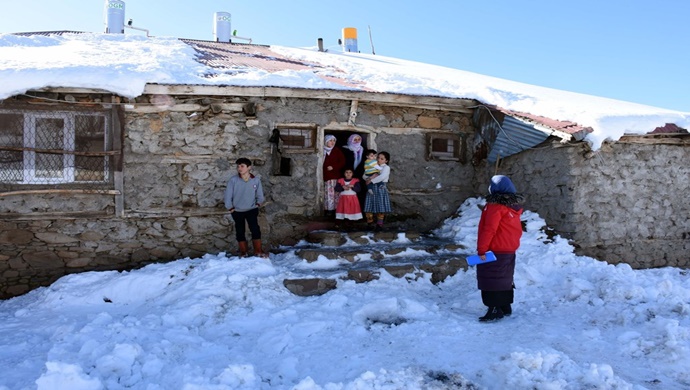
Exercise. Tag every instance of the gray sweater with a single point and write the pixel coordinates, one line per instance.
(244, 195)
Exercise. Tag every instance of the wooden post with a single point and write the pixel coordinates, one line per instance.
(118, 162)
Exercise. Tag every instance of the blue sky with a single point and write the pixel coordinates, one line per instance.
(632, 50)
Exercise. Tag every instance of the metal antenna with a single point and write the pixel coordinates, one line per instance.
(371, 41)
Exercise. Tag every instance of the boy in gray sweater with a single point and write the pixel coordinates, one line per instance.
(243, 197)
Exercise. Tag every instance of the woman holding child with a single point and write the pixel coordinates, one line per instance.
(378, 201)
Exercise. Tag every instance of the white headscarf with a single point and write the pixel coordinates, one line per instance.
(356, 148)
(326, 149)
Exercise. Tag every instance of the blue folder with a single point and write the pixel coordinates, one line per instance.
(474, 259)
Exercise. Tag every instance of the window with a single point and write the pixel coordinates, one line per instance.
(442, 146)
(54, 147)
(297, 137)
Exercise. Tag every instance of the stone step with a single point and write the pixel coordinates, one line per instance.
(375, 252)
(319, 286)
(363, 255)
(336, 238)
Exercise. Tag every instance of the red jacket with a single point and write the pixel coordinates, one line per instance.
(336, 160)
(499, 229)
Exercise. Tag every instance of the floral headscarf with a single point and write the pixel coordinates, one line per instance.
(326, 149)
(356, 148)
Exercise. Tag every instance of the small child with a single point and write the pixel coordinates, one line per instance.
(371, 168)
(348, 204)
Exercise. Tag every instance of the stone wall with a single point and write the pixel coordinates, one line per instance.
(38, 252)
(623, 203)
(177, 159)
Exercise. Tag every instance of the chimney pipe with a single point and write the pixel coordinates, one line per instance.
(319, 43)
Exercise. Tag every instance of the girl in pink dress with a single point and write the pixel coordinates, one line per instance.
(348, 208)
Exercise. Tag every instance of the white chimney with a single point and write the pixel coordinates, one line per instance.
(221, 27)
(114, 17)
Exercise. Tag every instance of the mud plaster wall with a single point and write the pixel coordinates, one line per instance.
(176, 165)
(624, 203)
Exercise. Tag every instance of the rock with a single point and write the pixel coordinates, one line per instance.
(309, 287)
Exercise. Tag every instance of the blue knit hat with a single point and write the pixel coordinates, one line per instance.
(501, 185)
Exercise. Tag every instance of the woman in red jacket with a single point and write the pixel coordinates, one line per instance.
(333, 165)
(499, 231)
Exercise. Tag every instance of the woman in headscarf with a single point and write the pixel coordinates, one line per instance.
(333, 165)
(354, 157)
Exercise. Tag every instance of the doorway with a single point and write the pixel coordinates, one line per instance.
(342, 136)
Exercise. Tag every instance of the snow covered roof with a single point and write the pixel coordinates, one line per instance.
(126, 64)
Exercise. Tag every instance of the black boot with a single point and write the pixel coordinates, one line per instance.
(493, 314)
(507, 310)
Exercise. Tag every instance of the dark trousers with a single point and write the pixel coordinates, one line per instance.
(497, 298)
(251, 218)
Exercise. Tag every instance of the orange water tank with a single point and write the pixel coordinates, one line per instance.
(350, 40)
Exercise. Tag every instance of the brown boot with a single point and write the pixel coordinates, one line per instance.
(243, 248)
(257, 249)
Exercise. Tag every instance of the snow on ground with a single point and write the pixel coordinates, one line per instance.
(219, 322)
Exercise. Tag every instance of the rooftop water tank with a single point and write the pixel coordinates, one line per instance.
(221, 27)
(114, 17)
(350, 39)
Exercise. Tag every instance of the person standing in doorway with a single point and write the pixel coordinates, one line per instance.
(354, 158)
(371, 167)
(499, 231)
(243, 197)
(378, 202)
(333, 165)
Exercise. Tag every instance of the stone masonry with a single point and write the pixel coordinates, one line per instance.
(623, 203)
(177, 159)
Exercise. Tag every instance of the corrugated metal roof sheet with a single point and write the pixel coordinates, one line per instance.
(576, 131)
(223, 55)
(48, 33)
(237, 56)
(513, 137)
(505, 132)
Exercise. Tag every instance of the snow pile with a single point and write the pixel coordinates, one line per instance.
(220, 322)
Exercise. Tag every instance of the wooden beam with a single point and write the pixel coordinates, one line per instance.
(54, 215)
(432, 102)
(653, 140)
(60, 151)
(60, 192)
(118, 134)
(395, 99)
(148, 108)
(353, 113)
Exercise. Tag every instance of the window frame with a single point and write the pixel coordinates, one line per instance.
(69, 176)
(301, 128)
(458, 146)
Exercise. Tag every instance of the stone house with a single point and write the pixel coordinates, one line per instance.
(90, 180)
